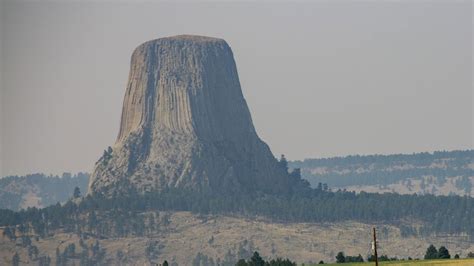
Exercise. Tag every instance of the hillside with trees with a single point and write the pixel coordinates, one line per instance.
(438, 173)
(184, 238)
(39, 190)
(437, 214)
(156, 220)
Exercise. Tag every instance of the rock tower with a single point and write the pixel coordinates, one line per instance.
(186, 124)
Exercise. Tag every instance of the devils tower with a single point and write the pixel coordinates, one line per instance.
(185, 124)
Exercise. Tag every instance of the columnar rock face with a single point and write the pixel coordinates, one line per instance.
(186, 124)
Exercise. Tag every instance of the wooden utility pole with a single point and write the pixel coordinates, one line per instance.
(374, 246)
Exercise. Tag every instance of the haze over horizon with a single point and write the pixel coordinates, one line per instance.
(320, 79)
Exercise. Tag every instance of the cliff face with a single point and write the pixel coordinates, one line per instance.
(185, 123)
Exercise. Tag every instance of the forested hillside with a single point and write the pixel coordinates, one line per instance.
(439, 173)
(451, 215)
(184, 238)
(39, 190)
(133, 215)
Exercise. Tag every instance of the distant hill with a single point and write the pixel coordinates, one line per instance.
(39, 190)
(438, 173)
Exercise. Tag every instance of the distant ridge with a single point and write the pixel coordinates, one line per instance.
(16, 190)
(438, 173)
(39, 190)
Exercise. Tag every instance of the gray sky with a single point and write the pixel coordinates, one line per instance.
(321, 79)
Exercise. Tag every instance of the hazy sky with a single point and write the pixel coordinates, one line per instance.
(321, 79)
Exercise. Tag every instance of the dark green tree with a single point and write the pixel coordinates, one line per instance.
(283, 163)
(256, 260)
(92, 221)
(9, 232)
(431, 253)
(33, 252)
(165, 263)
(325, 187)
(16, 259)
(84, 257)
(60, 258)
(443, 253)
(44, 261)
(25, 241)
(151, 222)
(98, 253)
(354, 258)
(280, 262)
(77, 193)
(69, 251)
(340, 258)
(241, 262)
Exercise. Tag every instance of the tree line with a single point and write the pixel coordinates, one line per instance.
(385, 169)
(430, 254)
(440, 214)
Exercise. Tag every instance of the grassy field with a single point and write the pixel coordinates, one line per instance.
(452, 262)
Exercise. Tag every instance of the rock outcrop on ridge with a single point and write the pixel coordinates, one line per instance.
(185, 124)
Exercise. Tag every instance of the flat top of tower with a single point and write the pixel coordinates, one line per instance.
(197, 38)
(187, 38)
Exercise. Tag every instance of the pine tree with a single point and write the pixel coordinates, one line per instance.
(431, 253)
(33, 252)
(443, 253)
(256, 260)
(16, 259)
(77, 193)
(151, 222)
(241, 262)
(59, 259)
(10, 233)
(283, 163)
(340, 258)
(320, 186)
(25, 241)
(69, 251)
(44, 261)
(92, 221)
